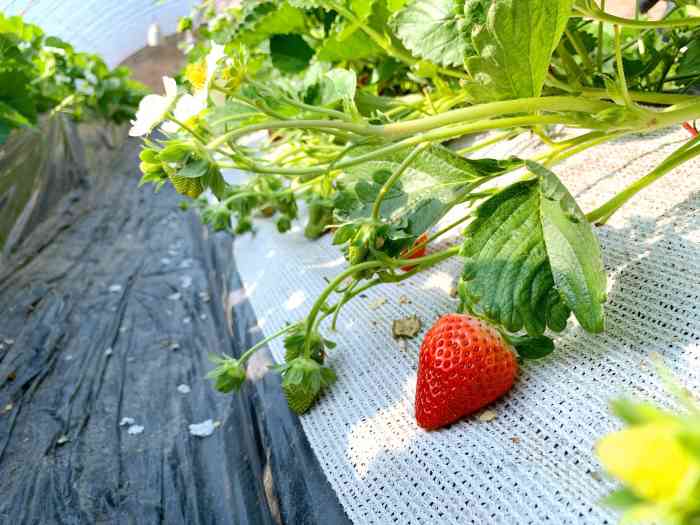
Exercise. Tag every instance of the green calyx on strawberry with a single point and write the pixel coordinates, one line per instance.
(464, 365)
(217, 215)
(320, 217)
(295, 344)
(303, 380)
(229, 374)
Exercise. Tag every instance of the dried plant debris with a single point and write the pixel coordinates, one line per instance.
(408, 327)
(377, 303)
(487, 415)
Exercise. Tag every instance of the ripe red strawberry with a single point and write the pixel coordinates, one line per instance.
(415, 253)
(464, 365)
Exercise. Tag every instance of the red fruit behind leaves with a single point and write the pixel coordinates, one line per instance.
(415, 253)
(464, 365)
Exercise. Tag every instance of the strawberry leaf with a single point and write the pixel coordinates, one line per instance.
(433, 183)
(531, 258)
(502, 70)
(531, 347)
(434, 30)
(574, 253)
(261, 21)
(507, 278)
(290, 53)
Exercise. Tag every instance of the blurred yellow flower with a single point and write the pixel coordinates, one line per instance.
(200, 74)
(197, 75)
(650, 460)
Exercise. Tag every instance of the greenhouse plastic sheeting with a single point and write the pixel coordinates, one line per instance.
(113, 29)
(109, 307)
(532, 463)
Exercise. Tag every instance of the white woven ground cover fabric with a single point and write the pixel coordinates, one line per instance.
(534, 462)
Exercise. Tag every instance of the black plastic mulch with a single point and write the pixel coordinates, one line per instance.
(113, 301)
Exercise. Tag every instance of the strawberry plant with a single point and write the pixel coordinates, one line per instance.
(348, 108)
(40, 74)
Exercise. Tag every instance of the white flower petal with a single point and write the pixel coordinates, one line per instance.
(215, 54)
(170, 87)
(153, 109)
(187, 107)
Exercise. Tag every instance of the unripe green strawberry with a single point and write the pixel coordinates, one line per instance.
(303, 379)
(186, 186)
(464, 365)
(300, 397)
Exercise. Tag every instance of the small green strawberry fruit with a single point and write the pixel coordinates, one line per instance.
(303, 380)
(186, 186)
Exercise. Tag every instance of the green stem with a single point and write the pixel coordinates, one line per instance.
(444, 230)
(603, 213)
(410, 127)
(189, 130)
(429, 260)
(580, 49)
(572, 68)
(501, 137)
(248, 353)
(621, 69)
(346, 297)
(235, 134)
(438, 134)
(602, 16)
(494, 109)
(316, 308)
(300, 105)
(593, 139)
(600, 39)
(376, 208)
(642, 96)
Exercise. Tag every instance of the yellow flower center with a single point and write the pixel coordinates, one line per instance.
(196, 74)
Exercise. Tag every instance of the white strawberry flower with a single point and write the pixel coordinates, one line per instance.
(187, 108)
(153, 109)
(215, 54)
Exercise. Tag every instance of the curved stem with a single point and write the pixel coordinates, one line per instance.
(346, 297)
(316, 308)
(376, 208)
